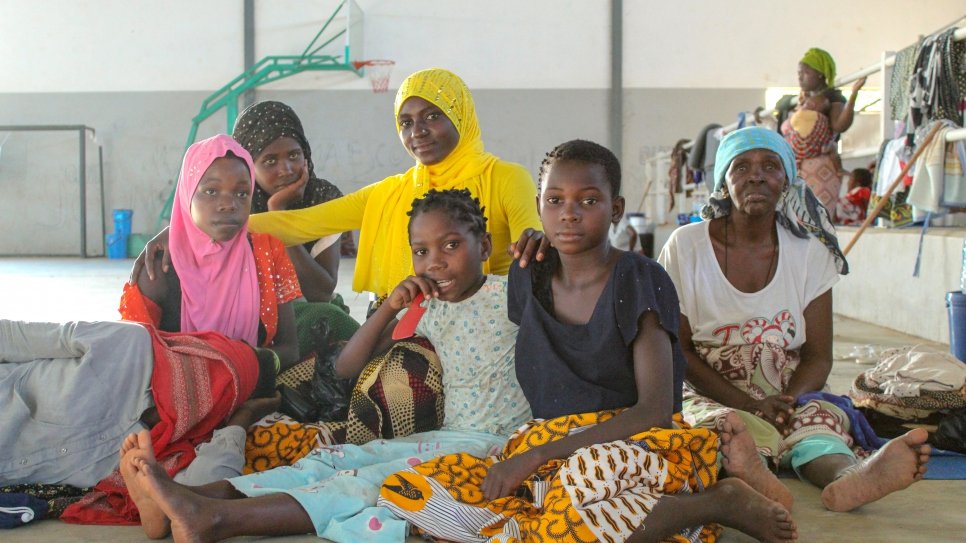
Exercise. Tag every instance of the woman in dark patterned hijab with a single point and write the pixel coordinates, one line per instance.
(258, 127)
(285, 179)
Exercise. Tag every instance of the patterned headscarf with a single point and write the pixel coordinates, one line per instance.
(219, 285)
(798, 209)
(820, 60)
(263, 123)
(449, 93)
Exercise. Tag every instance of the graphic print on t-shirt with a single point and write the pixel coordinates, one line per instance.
(780, 330)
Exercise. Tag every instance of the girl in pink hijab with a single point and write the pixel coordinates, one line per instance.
(223, 278)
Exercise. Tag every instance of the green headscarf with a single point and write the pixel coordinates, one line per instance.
(820, 60)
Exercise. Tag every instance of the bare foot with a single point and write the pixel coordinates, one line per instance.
(741, 460)
(895, 466)
(188, 520)
(739, 506)
(130, 442)
(138, 446)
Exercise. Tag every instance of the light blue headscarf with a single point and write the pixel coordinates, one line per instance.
(798, 209)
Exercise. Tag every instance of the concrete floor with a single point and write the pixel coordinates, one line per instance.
(61, 289)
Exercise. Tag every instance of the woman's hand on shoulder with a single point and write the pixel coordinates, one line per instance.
(147, 260)
(532, 245)
(289, 194)
(503, 478)
(406, 292)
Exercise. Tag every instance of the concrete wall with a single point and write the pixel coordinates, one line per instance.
(137, 71)
(881, 289)
(352, 135)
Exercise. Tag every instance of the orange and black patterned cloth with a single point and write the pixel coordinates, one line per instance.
(277, 284)
(603, 492)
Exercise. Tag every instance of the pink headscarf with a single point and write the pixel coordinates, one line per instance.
(219, 285)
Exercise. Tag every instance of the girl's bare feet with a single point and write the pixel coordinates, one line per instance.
(741, 507)
(138, 446)
(895, 466)
(740, 459)
(188, 520)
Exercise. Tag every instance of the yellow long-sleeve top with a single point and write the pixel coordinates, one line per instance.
(506, 191)
(379, 211)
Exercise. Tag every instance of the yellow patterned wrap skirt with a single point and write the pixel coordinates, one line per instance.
(599, 493)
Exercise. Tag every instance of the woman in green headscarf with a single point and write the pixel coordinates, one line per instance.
(813, 134)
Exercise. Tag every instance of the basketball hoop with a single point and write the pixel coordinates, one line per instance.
(378, 72)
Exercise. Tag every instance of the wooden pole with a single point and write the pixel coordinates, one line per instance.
(885, 197)
(647, 189)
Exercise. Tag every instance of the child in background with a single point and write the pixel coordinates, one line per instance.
(808, 130)
(622, 235)
(333, 491)
(609, 457)
(853, 206)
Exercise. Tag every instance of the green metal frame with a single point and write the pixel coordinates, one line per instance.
(267, 70)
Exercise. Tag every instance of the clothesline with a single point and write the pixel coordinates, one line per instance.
(954, 135)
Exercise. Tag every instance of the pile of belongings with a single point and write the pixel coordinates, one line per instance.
(915, 386)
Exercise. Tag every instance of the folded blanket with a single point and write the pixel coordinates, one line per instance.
(909, 371)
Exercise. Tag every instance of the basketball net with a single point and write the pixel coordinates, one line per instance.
(378, 72)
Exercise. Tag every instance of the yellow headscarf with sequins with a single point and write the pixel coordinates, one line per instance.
(446, 90)
(506, 191)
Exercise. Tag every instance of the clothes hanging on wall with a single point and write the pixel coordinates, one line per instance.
(938, 82)
(900, 81)
(929, 183)
(678, 173)
(893, 156)
(704, 149)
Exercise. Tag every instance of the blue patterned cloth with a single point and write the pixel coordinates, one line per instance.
(860, 428)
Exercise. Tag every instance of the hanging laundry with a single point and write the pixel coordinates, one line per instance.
(954, 179)
(678, 171)
(899, 82)
(928, 182)
(704, 149)
(938, 82)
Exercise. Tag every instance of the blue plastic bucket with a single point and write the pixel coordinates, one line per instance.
(122, 221)
(956, 304)
(116, 245)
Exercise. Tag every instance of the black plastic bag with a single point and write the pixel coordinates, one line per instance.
(951, 433)
(324, 397)
(296, 405)
(328, 392)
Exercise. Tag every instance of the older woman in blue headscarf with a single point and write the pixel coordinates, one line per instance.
(755, 285)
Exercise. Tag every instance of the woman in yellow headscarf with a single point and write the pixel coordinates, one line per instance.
(436, 121)
(398, 393)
